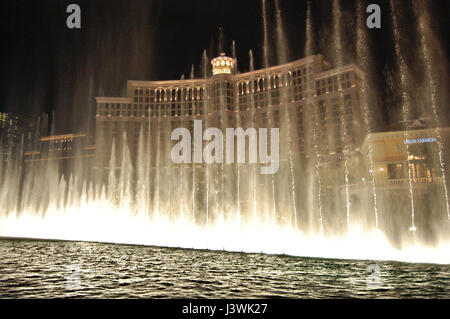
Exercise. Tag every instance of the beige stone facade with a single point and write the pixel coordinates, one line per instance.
(317, 104)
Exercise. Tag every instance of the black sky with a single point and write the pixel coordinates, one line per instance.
(47, 67)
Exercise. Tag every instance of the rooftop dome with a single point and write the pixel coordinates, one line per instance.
(222, 65)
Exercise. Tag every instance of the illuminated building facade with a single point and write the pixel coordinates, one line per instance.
(407, 173)
(64, 150)
(317, 104)
(395, 152)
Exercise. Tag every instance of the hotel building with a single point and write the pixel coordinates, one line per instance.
(311, 103)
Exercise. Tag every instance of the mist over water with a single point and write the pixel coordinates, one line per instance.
(154, 202)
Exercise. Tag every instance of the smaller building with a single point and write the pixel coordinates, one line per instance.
(411, 193)
(62, 149)
(401, 156)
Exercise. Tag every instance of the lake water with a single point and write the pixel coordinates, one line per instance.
(49, 269)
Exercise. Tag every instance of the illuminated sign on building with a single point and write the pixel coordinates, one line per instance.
(421, 140)
(221, 71)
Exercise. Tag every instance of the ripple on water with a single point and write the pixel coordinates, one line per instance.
(47, 269)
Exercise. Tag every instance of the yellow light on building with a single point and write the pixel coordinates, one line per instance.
(222, 65)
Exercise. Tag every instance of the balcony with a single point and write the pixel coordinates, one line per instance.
(421, 180)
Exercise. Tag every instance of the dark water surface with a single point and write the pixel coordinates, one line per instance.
(48, 269)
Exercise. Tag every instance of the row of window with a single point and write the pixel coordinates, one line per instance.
(275, 81)
(171, 94)
(190, 109)
(334, 83)
(225, 98)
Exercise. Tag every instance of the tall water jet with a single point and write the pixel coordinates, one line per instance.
(266, 51)
(309, 34)
(251, 60)
(282, 43)
(221, 41)
(157, 209)
(317, 174)
(315, 180)
(112, 180)
(363, 59)
(266, 55)
(282, 54)
(234, 56)
(405, 99)
(143, 170)
(252, 121)
(192, 76)
(207, 170)
(126, 173)
(338, 46)
(205, 118)
(426, 38)
(205, 65)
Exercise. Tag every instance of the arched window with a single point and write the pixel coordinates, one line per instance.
(284, 79)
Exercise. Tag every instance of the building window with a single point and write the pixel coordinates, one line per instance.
(395, 171)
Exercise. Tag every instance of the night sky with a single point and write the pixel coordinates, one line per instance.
(47, 67)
